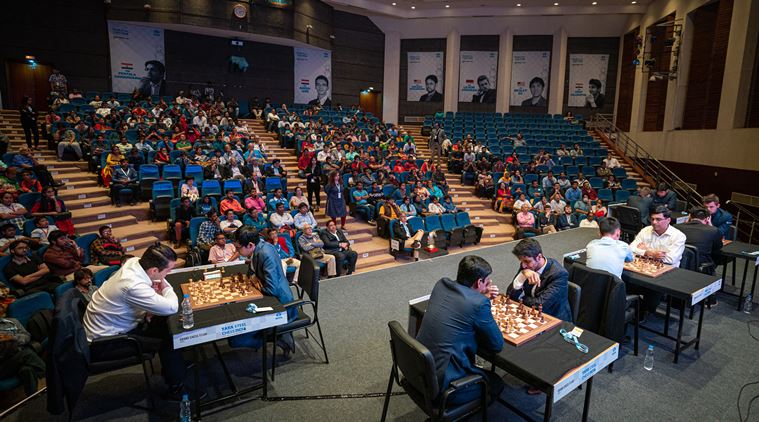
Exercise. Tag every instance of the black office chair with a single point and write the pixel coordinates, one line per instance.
(605, 307)
(630, 220)
(419, 380)
(575, 294)
(308, 281)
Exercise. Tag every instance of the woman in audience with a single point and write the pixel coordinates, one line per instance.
(50, 205)
(161, 157)
(516, 177)
(336, 199)
(205, 206)
(503, 199)
(112, 160)
(598, 209)
(297, 199)
(435, 207)
(520, 202)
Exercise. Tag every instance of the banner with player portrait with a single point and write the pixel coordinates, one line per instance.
(529, 78)
(313, 76)
(478, 73)
(587, 80)
(425, 77)
(137, 59)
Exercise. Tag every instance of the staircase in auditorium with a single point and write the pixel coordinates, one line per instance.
(89, 203)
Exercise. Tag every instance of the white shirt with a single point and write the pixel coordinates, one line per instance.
(591, 224)
(227, 224)
(520, 278)
(611, 162)
(281, 220)
(121, 303)
(608, 254)
(672, 242)
(434, 208)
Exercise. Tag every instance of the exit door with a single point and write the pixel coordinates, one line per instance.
(27, 80)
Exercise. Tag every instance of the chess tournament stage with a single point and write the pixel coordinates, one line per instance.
(354, 312)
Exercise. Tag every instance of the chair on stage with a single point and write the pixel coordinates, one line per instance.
(629, 220)
(575, 294)
(605, 307)
(308, 280)
(414, 370)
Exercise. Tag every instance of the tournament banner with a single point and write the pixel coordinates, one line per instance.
(137, 59)
(529, 78)
(478, 73)
(587, 80)
(425, 77)
(313, 76)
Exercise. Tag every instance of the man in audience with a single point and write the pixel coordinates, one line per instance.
(230, 223)
(643, 202)
(540, 281)
(610, 162)
(312, 244)
(337, 244)
(589, 222)
(286, 253)
(573, 194)
(255, 219)
(458, 323)
(222, 251)
(63, 257)
(548, 182)
(567, 220)
(124, 177)
(664, 196)
(281, 220)
(705, 237)
(720, 218)
(137, 301)
(208, 230)
(27, 271)
(183, 214)
(303, 217)
(609, 253)
(278, 199)
(106, 249)
(12, 212)
(231, 203)
(361, 199)
(404, 232)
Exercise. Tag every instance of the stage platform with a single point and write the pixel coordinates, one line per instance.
(355, 311)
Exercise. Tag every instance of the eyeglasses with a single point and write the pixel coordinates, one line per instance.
(571, 338)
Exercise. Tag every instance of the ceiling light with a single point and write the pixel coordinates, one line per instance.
(447, 6)
(519, 4)
(394, 3)
(556, 4)
(634, 2)
(413, 7)
(595, 3)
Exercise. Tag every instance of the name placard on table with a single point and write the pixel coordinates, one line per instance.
(228, 329)
(582, 373)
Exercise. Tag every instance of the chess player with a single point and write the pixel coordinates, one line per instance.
(222, 251)
(137, 300)
(540, 280)
(720, 218)
(609, 253)
(457, 323)
(267, 267)
(660, 240)
(705, 237)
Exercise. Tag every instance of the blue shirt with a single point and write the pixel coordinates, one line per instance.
(723, 220)
(608, 255)
(573, 195)
(359, 193)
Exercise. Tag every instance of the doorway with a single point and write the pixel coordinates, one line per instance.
(371, 102)
(25, 79)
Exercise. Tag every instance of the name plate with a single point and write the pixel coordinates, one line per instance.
(705, 292)
(584, 372)
(220, 331)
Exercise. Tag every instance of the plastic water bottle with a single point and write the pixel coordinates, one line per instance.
(648, 363)
(188, 320)
(185, 411)
(748, 305)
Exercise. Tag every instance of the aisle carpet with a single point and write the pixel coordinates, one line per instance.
(355, 311)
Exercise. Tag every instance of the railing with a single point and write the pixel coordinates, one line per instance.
(645, 162)
(745, 221)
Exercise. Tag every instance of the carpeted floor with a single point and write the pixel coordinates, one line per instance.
(355, 311)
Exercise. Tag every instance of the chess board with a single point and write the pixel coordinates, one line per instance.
(648, 267)
(520, 323)
(206, 294)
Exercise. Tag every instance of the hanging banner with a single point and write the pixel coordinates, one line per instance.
(313, 76)
(587, 80)
(529, 78)
(137, 59)
(478, 73)
(425, 77)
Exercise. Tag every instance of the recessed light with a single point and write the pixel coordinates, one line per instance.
(447, 6)
(519, 4)
(595, 3)
(634, 2)
(556, 4)
(395, 4)
(413, 7)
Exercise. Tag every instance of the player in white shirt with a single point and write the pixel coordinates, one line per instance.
(660, 240)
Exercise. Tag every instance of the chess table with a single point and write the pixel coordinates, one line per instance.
(747, 252)
(518, 322)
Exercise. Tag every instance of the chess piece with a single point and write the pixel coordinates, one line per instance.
(540, 314)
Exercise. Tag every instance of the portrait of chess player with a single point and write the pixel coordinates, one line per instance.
(540, 281)
(458, 323)
(484, 94)
(432, 95)
(321, 84)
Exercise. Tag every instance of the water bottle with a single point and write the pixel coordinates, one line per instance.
(188, 321)
(185, 411)
(648, 363)
(748, 304)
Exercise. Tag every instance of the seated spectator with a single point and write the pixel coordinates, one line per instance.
(557, 204)
(18, 358)
(573, 194)
(297, 199)
(135, 159)
(63, 257)
(589, 191)
(106, 249)
(189, 190)
(534, 191)
(610, 162)
(286, 254)
(612, 183)
(567, 220)
(183, 214)
(254, 200)
(503, 199)
(337, 244)
(278, 199)
(563, 181)
(282, 220)
(50, 205)
(124, 177)
(26, 160)
(312, 244)
(42, 229)
(222, 251)
(590, 221)
(403, 232)
(256, 219)
(582, 206)
(521, 202)
(230, 223)
(525, 222)
(448, 204)
(205, 206)
(29, 184)
(361, 199)
(208, 230)
(9, 235)
(83, 283)
(12, 212)
(435, 207)
(8, 182)
(598, 209)
(548, 181)
(230, 203)
(303, 217)
(27, 271)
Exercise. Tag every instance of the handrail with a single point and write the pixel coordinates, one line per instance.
(643, 160)
(744, 226)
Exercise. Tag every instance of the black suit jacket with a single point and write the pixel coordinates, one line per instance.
(643, 205)
(435, 97)
(208, 173)
(707, 239)
(330, 244)
(457, 322)
(400, 233)
(566, 222)
(552, 294)
(488, 97)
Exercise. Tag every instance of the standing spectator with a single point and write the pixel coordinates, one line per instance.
(12, 212)
(182, 215)
(312, 244)
(222, 251)
(313, 175)
(43, 228)
(336, 199)
(106, 249)
(63, 257)
(124, 177)
(50, 205)
(29, 123)
(58, 82)
(337, 244)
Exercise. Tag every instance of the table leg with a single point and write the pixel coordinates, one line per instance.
(753, 282)
(743, 283)
(700, 324)
(196, 370)
(680, 331)
(667, 315)
(586, 406)
(264, 370)
(734, 273)
(549, 406)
